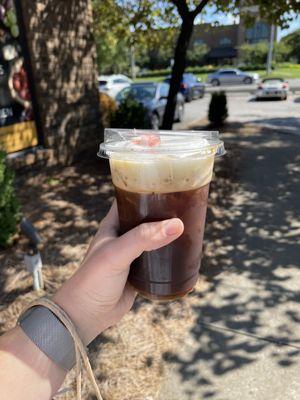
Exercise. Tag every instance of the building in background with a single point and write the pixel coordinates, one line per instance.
(223, 41)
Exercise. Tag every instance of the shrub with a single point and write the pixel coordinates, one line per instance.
(196, 54)
(292, 41)
(107, 108)
(218, 112)
(131, 114)
(206, 69)
(9, 205)
(255, 55)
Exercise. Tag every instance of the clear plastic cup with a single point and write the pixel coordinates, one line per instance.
(159, 175)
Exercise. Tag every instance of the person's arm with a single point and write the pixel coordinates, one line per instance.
(96, 297)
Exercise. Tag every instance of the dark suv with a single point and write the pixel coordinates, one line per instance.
(153, 96)
(191, 87)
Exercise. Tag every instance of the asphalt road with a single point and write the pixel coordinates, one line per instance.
(294, 85)
(242, 107)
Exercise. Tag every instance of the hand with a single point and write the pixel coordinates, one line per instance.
(97, 296)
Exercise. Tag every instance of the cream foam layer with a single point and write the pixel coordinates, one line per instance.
(161, 175)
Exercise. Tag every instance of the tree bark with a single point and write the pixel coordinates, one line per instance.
(184, 37)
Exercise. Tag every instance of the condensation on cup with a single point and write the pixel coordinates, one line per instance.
(159, 175)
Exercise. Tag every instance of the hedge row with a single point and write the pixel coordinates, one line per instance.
(207, 69)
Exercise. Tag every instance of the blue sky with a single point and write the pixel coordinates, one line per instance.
(226, 19)
(293, 27)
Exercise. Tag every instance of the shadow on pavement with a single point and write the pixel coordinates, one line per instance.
(288, 124)
(249, 304)
(251, 262)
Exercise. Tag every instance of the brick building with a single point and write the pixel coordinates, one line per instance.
(223, 41)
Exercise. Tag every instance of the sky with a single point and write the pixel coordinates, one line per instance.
(229, 18)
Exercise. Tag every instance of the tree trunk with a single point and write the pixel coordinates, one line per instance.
(178, 69)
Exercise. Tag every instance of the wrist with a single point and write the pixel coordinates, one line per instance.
(72, 301)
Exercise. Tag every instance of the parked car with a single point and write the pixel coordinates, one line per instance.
(191, 87)
(153, 96)
(231, 76)
(272, 88)
(112, 84)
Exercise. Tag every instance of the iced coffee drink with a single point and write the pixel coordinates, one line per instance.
(156, 177)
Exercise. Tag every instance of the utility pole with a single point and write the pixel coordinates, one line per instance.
(270, 52)
(132, 61)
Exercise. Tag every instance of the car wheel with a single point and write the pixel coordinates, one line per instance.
(248, 81)
(284, 97)
(215, 82)
(199, 94)
(189, 97)
(154, 122)
(180, 113)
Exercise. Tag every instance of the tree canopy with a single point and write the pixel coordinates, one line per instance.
(292, 40)
(118, 24)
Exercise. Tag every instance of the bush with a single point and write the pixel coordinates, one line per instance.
(292, 41)
(131, 114)
(255, 55)
(9, 205)
(206, 69)
(108, 107)
(218, 112)
(196, 54)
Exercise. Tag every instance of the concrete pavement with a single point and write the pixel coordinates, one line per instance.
(243, 108)
(244, 338)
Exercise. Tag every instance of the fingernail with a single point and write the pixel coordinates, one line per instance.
(172, 227)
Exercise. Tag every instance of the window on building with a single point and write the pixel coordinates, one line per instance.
(224, 41)
(199, 41)
(258, 32)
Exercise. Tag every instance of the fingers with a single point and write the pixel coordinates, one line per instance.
(110, 223)
(145, 237)
(108, 229)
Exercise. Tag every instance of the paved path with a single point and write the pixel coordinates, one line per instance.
(244, 341)
(242, 108)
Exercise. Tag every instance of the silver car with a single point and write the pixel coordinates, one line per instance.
(231, 77)
(272, 88)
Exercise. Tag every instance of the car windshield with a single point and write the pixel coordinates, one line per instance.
(272, 81)
(140, 92)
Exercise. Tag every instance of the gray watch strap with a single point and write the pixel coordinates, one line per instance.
(50, 335)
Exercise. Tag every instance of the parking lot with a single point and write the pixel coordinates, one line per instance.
(242, 107)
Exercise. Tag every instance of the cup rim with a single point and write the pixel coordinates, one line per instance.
(190, 143)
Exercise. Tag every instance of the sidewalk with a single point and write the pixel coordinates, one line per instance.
(244, 341)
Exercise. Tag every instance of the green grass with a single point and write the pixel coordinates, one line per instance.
(286, 71)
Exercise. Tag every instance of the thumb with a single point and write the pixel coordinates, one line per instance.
(145, 237)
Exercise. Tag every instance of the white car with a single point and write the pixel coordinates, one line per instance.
(113, 84)
(272, 88)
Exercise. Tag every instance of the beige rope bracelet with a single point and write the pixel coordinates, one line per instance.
(80, 350)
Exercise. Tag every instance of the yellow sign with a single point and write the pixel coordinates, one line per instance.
(18, 136)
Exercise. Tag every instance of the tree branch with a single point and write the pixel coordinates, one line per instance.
(199, 8)
(182, 8)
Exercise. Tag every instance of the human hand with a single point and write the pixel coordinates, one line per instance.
(98, 295)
